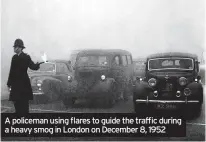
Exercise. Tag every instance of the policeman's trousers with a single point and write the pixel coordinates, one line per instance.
(21, 107)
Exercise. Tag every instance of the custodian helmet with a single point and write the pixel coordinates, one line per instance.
(19, 43)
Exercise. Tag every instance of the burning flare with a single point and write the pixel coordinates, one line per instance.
(44, 58)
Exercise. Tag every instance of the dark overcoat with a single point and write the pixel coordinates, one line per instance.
(18, 78)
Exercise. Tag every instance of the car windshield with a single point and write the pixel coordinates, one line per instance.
(92, 61)
(171, 63)
(45, 67)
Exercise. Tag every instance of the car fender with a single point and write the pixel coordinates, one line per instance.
(72, 86)
(141, 87)
(103, 86)
(196, 90)
(141, 90)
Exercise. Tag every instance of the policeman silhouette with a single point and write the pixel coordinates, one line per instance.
(18, 80)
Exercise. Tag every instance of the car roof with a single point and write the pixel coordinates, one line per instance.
(172, 54)
(104, 52)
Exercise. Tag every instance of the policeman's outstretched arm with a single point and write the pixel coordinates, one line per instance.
(32, 65)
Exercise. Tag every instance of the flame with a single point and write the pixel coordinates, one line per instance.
(44, 58)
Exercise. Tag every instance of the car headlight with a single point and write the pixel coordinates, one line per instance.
(39, 83)
(69, 78)
(182, 81)
(103, 77)
(152, 82)
(139, 78)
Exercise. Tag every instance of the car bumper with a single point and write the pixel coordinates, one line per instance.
(38, 93)
(150, 101)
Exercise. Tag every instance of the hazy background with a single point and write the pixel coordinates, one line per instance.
(141, 26)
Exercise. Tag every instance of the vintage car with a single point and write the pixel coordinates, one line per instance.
(49, 82)
(171, 82)
(101, 74)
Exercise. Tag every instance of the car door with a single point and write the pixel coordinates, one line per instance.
(118, 72)
(63, 73)
(130, 68)
(125, 71)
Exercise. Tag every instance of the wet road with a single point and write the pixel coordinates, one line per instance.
(195, 127)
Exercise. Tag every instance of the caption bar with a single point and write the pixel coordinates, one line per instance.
(91, 125)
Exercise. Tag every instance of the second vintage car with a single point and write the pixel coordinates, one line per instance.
(49, 82)
(104, 75)
(171, 81)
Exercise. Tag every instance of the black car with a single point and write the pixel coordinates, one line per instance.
(171, 81)
(50, 81)
(104, 75)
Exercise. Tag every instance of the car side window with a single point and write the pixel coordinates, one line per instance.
(62, 67)
(129, 59)
(116, 60)
(124, 60)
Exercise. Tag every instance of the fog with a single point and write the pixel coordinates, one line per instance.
(140, 26)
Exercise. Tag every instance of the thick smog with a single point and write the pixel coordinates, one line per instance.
(142, 58)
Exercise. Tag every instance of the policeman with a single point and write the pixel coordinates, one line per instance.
(18, 80)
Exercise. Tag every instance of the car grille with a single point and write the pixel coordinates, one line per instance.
(86, 80)
(85, 74)
(167, 85)
(35, 89)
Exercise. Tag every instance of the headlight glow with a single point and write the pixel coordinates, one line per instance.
(103, 77)
(69, 78)
(152, 82)
(39, 83)
(182, 81)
